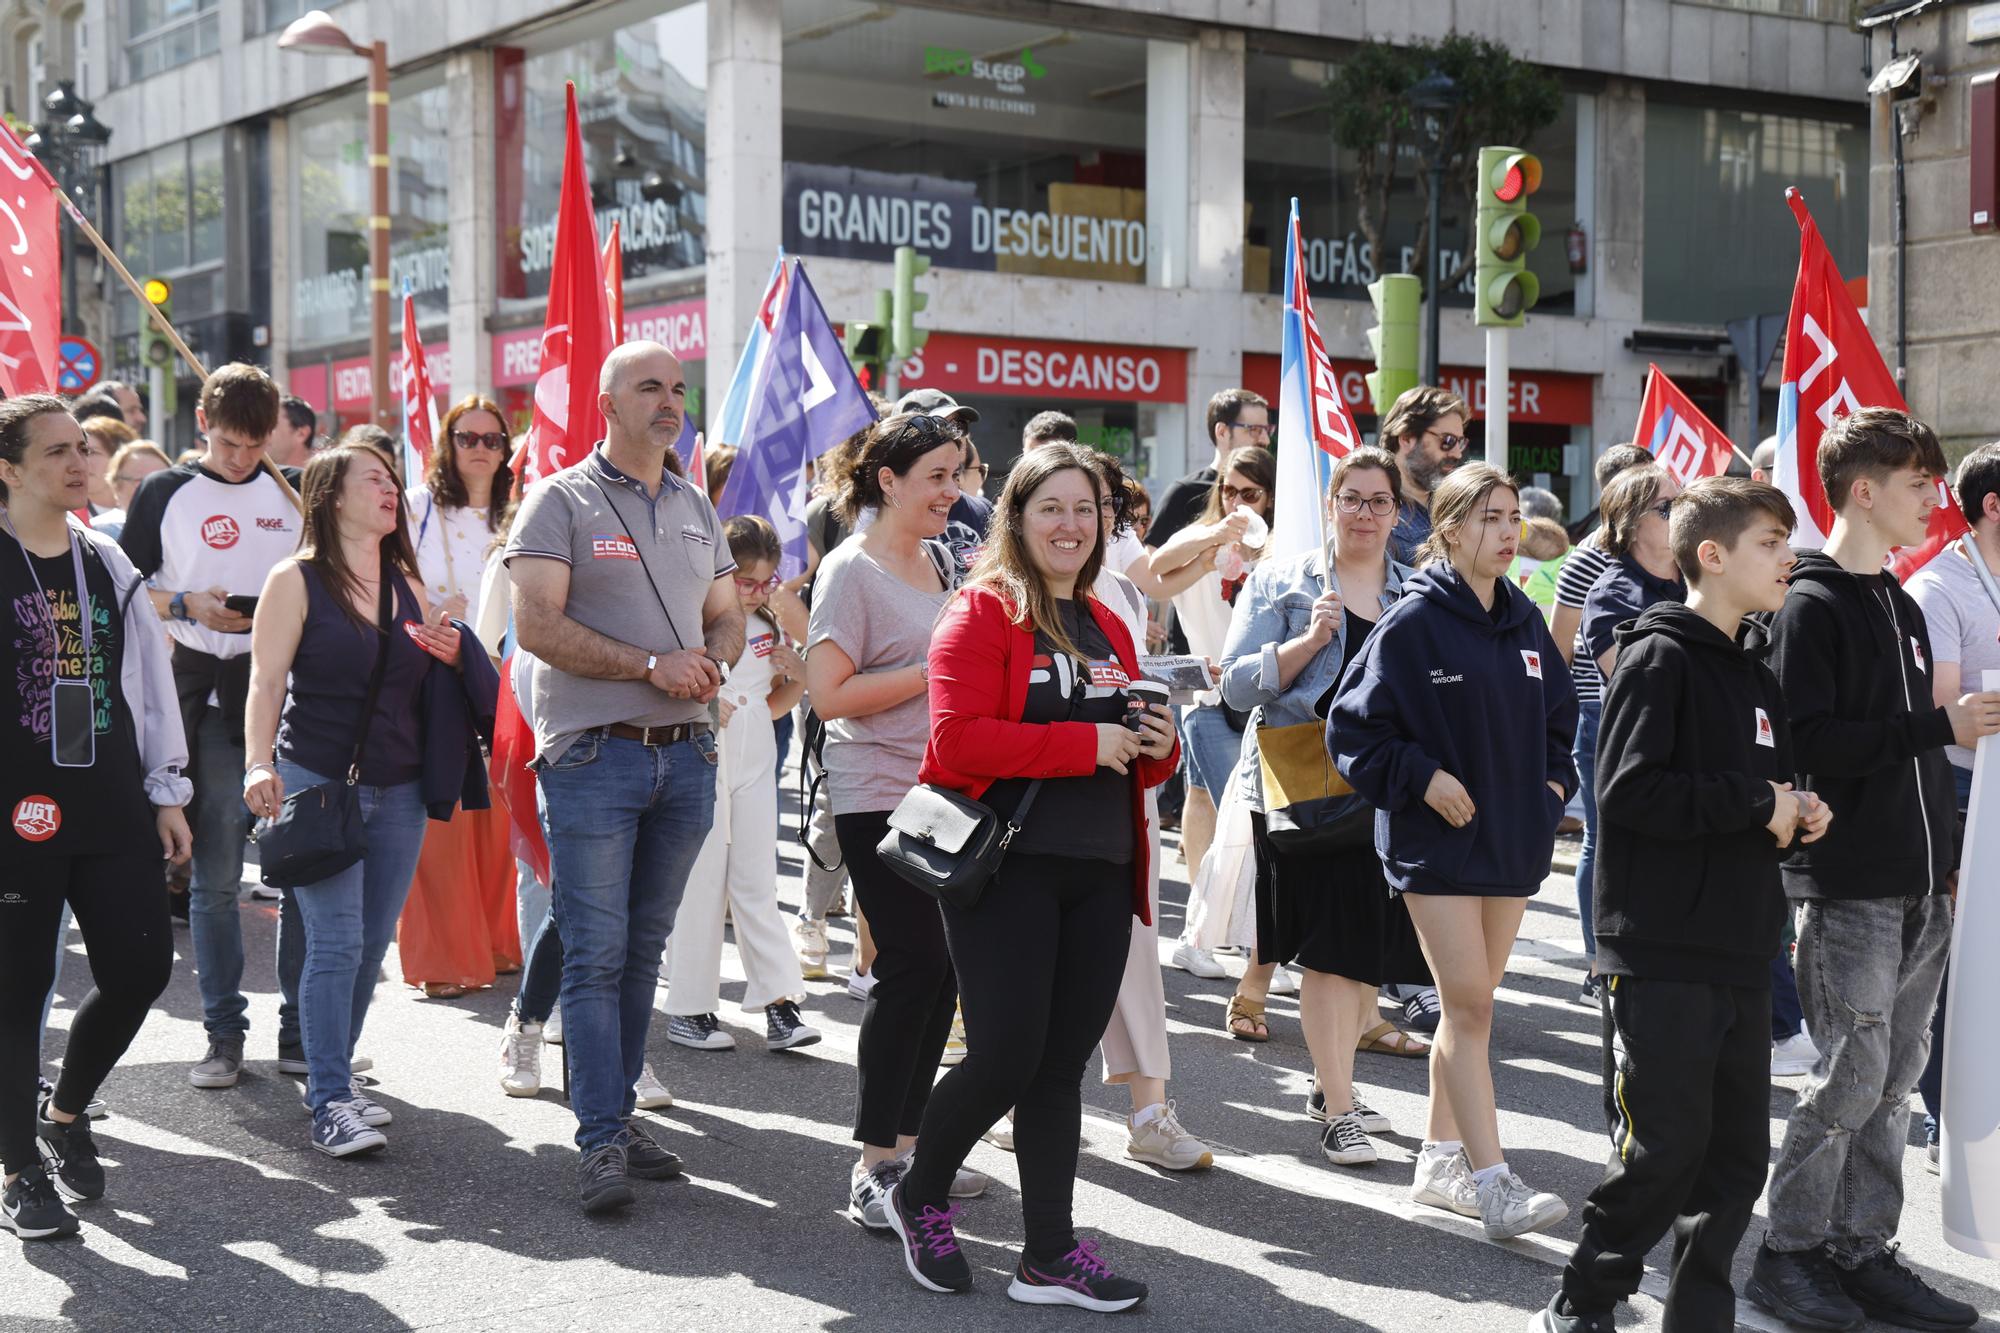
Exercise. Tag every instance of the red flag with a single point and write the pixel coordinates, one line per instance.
(1682, 440)
(698, 465)
(614, 283)
(513, 780)
(575, 333)
(1832, 367)
(420, 413)
(30, 273)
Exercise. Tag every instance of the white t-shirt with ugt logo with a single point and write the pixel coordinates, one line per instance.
(189, 530)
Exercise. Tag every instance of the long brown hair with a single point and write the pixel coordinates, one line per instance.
(1454, 501)
(319, 544)
(1260, 465)
(1005, 568)
(447, 487)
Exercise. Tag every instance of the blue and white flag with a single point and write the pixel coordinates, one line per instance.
(806, 402)
(726, 424)
(1314, 425)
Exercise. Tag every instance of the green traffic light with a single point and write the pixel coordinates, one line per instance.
(906, 337)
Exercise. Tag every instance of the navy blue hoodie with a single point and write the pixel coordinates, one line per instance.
(1444, 683)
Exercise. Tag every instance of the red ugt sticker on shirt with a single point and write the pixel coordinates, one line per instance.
(1533, 661)
(1764, 736)
(220, 531)
(37, 818)
(616, 546)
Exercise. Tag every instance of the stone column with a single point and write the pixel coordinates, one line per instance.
(745, 172)
(1618, 263)
(475, 239)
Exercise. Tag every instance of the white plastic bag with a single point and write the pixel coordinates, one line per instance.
(1222, 905)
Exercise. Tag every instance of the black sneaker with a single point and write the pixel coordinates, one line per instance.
(784, 1030)
(930, 1249)
(1423, 1011)
(1592, 993)
(698, 1032)
(44, 1090)
(600, 1179)
(1080, 1278)
(32, 1210)
(644, 1157)
(70, 1154)
(1558, 1317)
(1890, 1292)
(1801, 1288)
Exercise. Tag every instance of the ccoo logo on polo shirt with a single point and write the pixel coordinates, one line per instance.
(220, 531)
(37, 818)
(614, 546)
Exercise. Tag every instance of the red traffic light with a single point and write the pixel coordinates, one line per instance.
(1509, 189)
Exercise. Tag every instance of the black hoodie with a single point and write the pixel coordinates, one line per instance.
(1854, 659)
(1693, 736)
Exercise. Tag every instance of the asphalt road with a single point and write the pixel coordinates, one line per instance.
(220, 1216)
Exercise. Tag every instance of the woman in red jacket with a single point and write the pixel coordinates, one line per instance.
(1027, 681)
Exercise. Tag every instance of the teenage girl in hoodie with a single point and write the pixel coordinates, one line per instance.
(1456, 723)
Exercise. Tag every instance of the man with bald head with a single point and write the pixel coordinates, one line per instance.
(622, 596)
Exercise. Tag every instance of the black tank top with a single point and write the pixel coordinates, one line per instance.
(329, 685)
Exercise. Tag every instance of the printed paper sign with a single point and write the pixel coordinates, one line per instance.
(1533, 661)
(1764, 736)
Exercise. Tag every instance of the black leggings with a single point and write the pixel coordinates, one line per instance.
(1040, 960)
(123, 916)
(909, 1011)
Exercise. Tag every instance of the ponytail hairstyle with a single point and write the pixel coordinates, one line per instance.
(1455, 500)
(895, 442)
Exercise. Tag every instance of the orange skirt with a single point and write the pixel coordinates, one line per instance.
(458, 924)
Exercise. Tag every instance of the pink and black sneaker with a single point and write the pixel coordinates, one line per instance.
(930, 1249)
(1080, 1278)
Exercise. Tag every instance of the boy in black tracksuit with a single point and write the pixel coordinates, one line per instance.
(1695, 805)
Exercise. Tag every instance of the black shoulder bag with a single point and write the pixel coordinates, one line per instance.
(317, 833)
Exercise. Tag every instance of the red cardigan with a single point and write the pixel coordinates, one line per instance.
(979, 665)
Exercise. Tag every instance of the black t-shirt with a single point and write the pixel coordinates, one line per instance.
(1358, 629)
(55, 811)
(1181, 505)
(1087, 816)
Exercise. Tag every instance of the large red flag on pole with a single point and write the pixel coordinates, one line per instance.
(1681, 437)
(576, 332)
(614, 283)
(1832, 367)
(420, 413)
(30, 273)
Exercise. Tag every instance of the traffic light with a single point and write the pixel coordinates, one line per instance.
(155, 348)
(1394, 339)
(867, 343)
(908, 339)
(1506, 231)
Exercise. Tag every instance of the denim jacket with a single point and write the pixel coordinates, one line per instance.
(1275, 607)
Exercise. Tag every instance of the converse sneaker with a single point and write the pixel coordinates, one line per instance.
(520, 1057)
(1162, 1142)
(1444, 1180)
(1793, 1056)
(96, 1110)
(1885, 1288)
(784, 1030)
(860, 984)
(366, 1108)
(809, 940)
(552, 1030)
(930, 1249)
(1372, 1120)
(698, 1032)
(868, 1192)
(1507, 1207)
(70, 1154)
(1422, 1010)
(292, 1060)
(600, 1179)
(339, 1132)
(222, 1066)
(644, 1157)
(649, 1094)
(32, 1210)
(1344, 1143)
(1079, 1278)
(1801, 1287)
(1197, 962)
(1558, 1317)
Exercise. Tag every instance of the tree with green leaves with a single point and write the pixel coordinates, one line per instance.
(1502, 100)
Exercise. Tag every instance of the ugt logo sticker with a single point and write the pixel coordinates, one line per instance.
(1532, 660)
(220, 531)
(37, 818)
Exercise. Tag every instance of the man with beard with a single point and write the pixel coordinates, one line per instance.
(1425, 427)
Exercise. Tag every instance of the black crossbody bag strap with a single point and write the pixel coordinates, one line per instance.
(644, 568)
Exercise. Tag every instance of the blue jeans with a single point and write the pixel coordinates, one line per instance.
(220, 822)
(541, 976)
(1585, 754)
(1788, 1019)
(624, 823)
(1209, 748)
(350, 920)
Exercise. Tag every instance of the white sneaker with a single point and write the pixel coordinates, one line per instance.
(1162, 1142)
(1345, 1143)
(809, 940)
(1445, 1182)
(860, 984)
(968, 1184)
(1507, 1207)
(265, 893)
(521, 1058)
(1793, 1056)
(954, 1044)
(552, 1030)
(1198, 962)
(1283, 982)
(1001, 1135)
(649, 1094)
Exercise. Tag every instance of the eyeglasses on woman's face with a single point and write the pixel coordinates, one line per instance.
(977, 471)
(1352, 502)
(748, 586)
(492, 439)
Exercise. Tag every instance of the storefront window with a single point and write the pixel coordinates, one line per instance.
(1720, 243)
(330, 202)
(986, 143)
(642, 95)
(1289, 150)
(163, 34)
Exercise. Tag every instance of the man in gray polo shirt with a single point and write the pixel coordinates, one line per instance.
(621, 596)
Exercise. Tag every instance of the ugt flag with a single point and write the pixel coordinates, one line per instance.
(1832, 367)
(1681, 438)
(806, 402)
(30, 286)
(727, 424)
(576, 332)
(420, 410)
(1314, 425)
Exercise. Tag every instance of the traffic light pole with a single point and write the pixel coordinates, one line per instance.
(1496, 397)
(1432, 360)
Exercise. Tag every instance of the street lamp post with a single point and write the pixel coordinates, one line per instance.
(1436, 96)
(315, 33)
(69, 142)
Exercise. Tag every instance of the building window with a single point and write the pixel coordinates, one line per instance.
(986, 143)
(163, 34)
(642, 96)
(1826, 11)
(1288, 150)
(1720, 244)
(169, 210)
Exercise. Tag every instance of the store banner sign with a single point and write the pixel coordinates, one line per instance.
(963, 364)
(680, 326)
(348, 386)
(1557, 397)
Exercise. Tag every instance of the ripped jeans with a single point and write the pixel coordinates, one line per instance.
(1868, 975)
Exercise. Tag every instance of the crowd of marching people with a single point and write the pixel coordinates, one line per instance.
(1368, 748)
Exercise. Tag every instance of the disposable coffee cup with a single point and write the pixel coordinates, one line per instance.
(1143, 692)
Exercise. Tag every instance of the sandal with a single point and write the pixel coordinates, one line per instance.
(1396, 1042)
(443, 990)
(1249, 1013)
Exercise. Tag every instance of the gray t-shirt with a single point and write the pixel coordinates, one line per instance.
(881, 623)
(1964, 624)
(675, 537)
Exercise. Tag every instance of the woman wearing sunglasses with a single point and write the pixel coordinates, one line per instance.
(458, 928)
(1642, 569)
